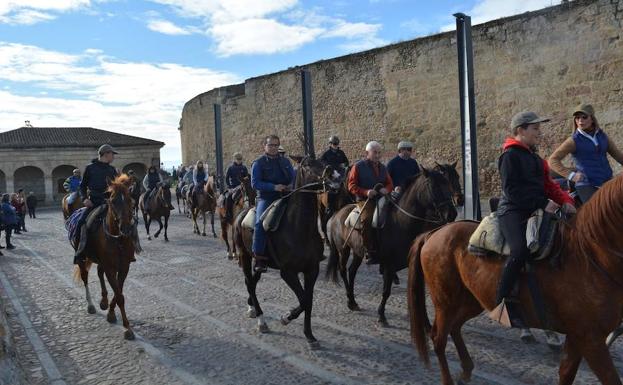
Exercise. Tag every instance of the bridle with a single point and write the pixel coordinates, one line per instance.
(117, 220)
(448, 202)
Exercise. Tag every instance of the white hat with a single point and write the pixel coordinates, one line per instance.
(373, 144)
(405, 144)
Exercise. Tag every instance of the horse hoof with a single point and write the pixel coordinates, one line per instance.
(91, 309)
(149, 238)
(251, 313)
(383, 323)
(128, 335)
(204, 234)
(313, 345)
(103, 305)
(214, 235)
(354, 307)
(112, 318)
(263, 328)
(156, 235)
(285, 320)
(166, 239)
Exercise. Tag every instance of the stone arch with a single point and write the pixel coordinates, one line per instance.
(2, 182)
(139, 170)
(59, 174)
(30, 178)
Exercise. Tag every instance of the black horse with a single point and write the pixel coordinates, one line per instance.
(425, 203)
(295, 247)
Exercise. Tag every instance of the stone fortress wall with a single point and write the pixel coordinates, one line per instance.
(547, 61)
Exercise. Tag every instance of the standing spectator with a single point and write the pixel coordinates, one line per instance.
(19, 211)
(31, 203)
(21, 197)
(9, 219)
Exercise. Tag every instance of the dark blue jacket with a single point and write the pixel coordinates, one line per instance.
(401, 169)
(95, 180)
(591, 158)
(9, 217)
(266, 172)
(234, 173)
(153, 178)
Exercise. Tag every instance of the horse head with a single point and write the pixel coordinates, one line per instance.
(248, 190)
(450, 173)
(120, 205)
(164, 193)
(432, 192)
(313, 171)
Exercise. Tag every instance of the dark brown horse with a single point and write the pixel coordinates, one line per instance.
(449, 171)
(69, 209)
(135, 193)
(111, 246)
(583, 297)
(204, 201)
(242, 194)
(158, 208)
(295, 247)
(425, 203)
(342, 198)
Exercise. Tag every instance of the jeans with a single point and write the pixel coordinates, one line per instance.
(259, 235)
(513, 226)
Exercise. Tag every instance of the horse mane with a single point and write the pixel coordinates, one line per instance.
(120, 184)
(598, 221)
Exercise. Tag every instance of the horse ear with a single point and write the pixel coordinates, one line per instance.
(454, 164)
(297, 158)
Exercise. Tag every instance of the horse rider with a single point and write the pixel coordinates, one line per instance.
(271, 175)
(187, 180)
(72, 185)
(336, 158)
(364, 176)
(200, 177)
(181, 173)
(151, 181)
(93, 191)
(589, 146)
(402, 166)
(526, 187)
(235, 172)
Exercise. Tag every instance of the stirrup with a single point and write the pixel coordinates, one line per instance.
(502, 315)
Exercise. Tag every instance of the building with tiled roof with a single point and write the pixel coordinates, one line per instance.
(39, 159)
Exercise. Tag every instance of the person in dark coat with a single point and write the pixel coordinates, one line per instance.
(150, 183)
(334, 156)
(271, 175)
(526, 187)
(93, 187)
(9, 219)
(402, 166)
(31, 202)
(235, 172)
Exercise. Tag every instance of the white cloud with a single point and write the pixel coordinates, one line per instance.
(487, 10)
(90, 89)
(34, 11)
(352, 30)
(166, 27)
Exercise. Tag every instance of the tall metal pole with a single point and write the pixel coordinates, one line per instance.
(468, 116)
(308, 119)
(218, 142)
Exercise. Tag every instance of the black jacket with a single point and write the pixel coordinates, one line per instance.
(523, 180)
(336, 159)
(31, 201)
(234, 173)
(95, 180)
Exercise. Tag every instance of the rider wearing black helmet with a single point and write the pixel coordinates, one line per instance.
(336, 158)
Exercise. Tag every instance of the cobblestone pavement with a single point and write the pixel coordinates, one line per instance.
(187, 305)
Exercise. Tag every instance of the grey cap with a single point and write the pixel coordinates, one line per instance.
(104, 148)
(526, 117)
(405, 144)
(585, 109)
(281, 149)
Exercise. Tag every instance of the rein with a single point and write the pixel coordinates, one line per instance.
(403, 211)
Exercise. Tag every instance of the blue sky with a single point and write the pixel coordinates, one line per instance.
(129, 65)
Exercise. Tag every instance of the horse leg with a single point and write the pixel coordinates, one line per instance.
(352, 272)
(159, 228)
(204, 223)
(112, 281)
(104, 301)
(194, 216)
(178, 203)
(595, 352)
(388, 276)
(310, 281)
(166, 226)
(84, 274)
(147, 224)
(569, 362)
(466, 361)
(225, 237)
(292, 280)
(212, 223)
(250, 281)
(123, 273)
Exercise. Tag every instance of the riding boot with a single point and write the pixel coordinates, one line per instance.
(507, 296)
(79, 256)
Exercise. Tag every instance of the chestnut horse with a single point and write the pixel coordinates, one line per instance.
(244, 193)
(583, 296)
(158, 208)
(69, 209)
(425, 203)
(205, 202)
(111, 246)
(295, 247)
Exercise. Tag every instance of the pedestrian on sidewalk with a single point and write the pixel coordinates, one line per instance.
(31, 203)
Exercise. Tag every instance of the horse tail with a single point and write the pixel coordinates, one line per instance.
(416, 299)
(334, 258)
(77, 276)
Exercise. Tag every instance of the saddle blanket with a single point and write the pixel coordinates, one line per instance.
(71, 224)
(271, 218)
(488, 238)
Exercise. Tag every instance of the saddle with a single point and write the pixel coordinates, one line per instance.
(488, 240)
(352, 220)
(271, 218)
